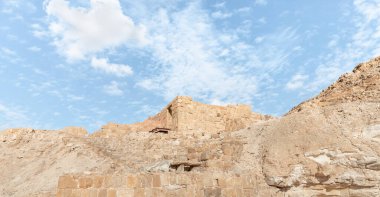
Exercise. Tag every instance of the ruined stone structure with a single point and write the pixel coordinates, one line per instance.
(159, 184)
(188, 116)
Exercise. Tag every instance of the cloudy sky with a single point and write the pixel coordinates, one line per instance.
(89, 62)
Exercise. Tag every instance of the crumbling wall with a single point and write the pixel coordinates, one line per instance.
(158, 184)
(187, 116)
(198, 117)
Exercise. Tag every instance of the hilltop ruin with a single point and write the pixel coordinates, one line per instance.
(187, 117)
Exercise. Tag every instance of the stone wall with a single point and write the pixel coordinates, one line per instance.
(194, 116)
(187, 116)
(158, 184)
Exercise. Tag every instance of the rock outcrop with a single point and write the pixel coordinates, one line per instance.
(329, 145)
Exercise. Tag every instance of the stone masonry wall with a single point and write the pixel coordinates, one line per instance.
(198, 117)
(157, 185)
(187, 116)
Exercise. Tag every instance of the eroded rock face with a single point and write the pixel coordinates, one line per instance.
(326, 146)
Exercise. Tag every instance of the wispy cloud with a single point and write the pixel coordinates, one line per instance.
(78, 31)
(119, 70)
(261, 2)
(113, 89)
(296, 82)
(221, 15)
(186, 46)
(193, 58)
(362, 45)
(12, 117)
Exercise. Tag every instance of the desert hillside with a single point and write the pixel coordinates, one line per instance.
(326, 146)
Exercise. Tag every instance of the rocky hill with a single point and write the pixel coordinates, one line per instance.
(326, 146)
(329, 145)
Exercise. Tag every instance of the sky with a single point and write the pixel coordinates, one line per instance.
(89, 62)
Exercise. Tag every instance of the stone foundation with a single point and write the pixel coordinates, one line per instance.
(156, 185)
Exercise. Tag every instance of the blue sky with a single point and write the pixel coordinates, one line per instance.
(89, 62)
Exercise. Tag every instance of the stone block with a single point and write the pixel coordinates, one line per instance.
(228, 192)
(125, 192)
(111, 193)
(183, 179)
(199, 192)
(212, 192)
(114, 181)
(238, 183)
(132, 181)
(156, 180)
(190, 190)
(192, 156)
(139, 192)
(66, 182)
(93, 192)
(248, 192)
(76, 193)
(165, 179)
(102, 193)
(98, 181)
(158, 192)
(173, 179)
(239, 191)
(64, 193)
(208, 181)
(85, 182)
(230, 182)
(205, 156)
(85, 193)
(146, 180)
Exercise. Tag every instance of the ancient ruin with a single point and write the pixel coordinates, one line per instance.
(187, 116)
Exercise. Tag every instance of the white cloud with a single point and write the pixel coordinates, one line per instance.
(38, 31)
(113, 89)
(259, 39)
(261, 2)
(78, 31)
(119, 70)
(296, 82)
(7, 52)
(12, 117)
(221, 15)
(73, 97)
(34, 49)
